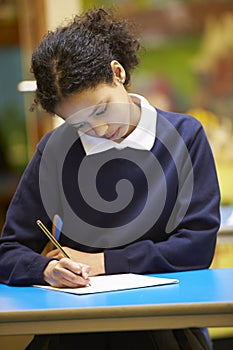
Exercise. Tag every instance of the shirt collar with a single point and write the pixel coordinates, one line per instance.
(142, 138)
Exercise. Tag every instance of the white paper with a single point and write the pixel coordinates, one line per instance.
(116, 282)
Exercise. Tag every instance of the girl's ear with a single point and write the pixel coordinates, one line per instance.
(119, 74)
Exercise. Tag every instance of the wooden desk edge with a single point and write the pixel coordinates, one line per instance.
(119, 311)
(105, 319)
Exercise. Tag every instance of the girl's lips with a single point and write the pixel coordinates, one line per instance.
(114, 135)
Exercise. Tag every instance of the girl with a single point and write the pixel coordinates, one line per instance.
(136, 187)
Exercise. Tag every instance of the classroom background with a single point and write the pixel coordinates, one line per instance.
(187, 66)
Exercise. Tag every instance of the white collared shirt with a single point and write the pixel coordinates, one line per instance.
(143, 136)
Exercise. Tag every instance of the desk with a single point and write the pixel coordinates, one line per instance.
(203, 298)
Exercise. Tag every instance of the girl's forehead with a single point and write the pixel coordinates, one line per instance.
(82, 100)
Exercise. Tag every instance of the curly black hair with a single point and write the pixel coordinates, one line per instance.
(77, 56)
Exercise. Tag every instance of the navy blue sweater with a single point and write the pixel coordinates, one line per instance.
(163, 217)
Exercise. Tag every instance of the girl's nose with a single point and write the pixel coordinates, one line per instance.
(100, 130)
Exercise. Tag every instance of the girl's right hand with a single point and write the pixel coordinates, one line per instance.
(66, 273)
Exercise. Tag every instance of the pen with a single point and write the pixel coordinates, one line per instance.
(52, 238)
(57, 226)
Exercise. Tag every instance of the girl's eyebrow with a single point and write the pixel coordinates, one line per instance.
(93, 112)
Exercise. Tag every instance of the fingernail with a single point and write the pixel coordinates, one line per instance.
(85, 275)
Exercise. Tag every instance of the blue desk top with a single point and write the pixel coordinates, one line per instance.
(198, 286)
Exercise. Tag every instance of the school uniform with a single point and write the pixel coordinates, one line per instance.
(163, 216)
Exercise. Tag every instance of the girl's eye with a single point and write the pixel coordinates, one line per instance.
(101, 110)
(79, 125)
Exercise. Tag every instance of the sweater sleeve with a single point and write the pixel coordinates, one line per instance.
(22, 241)
(191, 244)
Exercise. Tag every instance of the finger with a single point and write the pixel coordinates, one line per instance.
(72, 265)
(66, 279)
(62, 282)
(76, 282)
(66, 283)
(53, 253)
(85, 271)
(71, 272)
